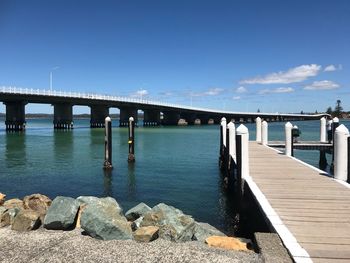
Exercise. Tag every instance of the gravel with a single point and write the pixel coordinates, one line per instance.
(71, 246)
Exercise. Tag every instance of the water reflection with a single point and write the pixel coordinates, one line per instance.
(63, 146)
(15, 153)
(107, 182)
(131, 181)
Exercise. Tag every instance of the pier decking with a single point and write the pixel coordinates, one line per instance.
(310, 211)
(304, 145)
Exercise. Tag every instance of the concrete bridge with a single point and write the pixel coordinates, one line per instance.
(155, 113)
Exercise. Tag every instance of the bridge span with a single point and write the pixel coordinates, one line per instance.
(155, 112)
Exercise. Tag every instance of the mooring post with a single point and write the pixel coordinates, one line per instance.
(348, 181)
(329, 131)
(264, 133)
(244, 133)
(323, 160)
(232, 141)
(335, 125)
(258, 129)
(222, 141)
(341, 153)
(108, 144)
(131, 142)
(288, 132)
(227, 154)
(323, 124)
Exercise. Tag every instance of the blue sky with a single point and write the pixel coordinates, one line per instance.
(283, 56)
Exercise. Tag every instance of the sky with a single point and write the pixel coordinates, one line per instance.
(275, 56)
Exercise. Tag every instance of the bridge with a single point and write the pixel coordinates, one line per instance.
(155, 112)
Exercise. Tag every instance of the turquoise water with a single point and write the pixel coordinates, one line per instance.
(175, 165)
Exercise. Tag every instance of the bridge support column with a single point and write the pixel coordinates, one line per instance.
(15, 116)
(63, 116)
(171, 117)
(125, 114)
(98, 115)
(151, 117)
(189, 117)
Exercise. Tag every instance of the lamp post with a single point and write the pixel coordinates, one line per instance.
(53, 69)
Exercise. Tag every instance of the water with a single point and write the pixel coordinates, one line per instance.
(174, 165)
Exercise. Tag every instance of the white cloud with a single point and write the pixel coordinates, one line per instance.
(277, 90)
(213, 92)
(331, 67)
(292, 75)
(322, 85)
(140, 93)
(236, 97)
(241, 90)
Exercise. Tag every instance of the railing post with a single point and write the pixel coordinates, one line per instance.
(341, 135)
(288, 132)
(323, 130)
(264, 133)
(258, 129)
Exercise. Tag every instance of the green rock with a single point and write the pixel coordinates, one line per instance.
(137, 211)
(61, 214)
(173, 224)
(204, 230)
(102, 219)
(105, 201)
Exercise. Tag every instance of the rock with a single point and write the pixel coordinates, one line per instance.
(37, 202)
(81, 208)
(4, 217)
(146, 233)
(136, 224)
(102, 219)
(61, 214)
(230, 243)
(137, 211)
(26, 220)
(15, 202)
(106, 201)
(203, 231)
(173, 224)
(2, 198)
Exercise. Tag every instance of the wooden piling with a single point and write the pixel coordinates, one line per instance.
(131, 142)
(108, 144)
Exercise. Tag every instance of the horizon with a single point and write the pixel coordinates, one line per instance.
(274, 56)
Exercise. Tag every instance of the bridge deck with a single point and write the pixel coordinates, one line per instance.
(310, 211)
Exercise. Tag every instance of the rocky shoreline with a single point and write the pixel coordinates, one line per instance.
(103, 218)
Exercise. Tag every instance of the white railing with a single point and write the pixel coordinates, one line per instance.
(94, 96)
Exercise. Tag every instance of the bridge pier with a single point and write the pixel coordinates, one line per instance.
(125, 114)
(170, 117)
(15, 116)
(98, 115)
(151, 118)
(63, 116)
(189, 117)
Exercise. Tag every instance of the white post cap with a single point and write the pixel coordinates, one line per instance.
(131, 119)
(289, 125)
(230, 125)
(342, 129)
(108, 119)
(242, 129)
(335, 119)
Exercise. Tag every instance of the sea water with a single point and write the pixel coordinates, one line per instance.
(174, 165)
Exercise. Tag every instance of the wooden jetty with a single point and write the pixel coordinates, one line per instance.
(309, 211)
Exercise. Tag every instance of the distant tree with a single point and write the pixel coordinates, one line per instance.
(338, 109)
(258, 110)
(302, 112)
(329, 110)
(316, 112)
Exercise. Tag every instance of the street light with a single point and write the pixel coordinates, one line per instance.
(53, 69)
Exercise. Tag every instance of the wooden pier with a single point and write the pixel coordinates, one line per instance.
(303, 145)
(309, 210)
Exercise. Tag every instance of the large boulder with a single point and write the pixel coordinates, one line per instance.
(173, 224)
(2, 198)
(136, 224)
(102, 218)
(105, 201)
(61, 214)
(15, 202)
(37, 202)
(146, 233)
(26, 220)
(229, 243)
(204, 230)
(137, 211)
